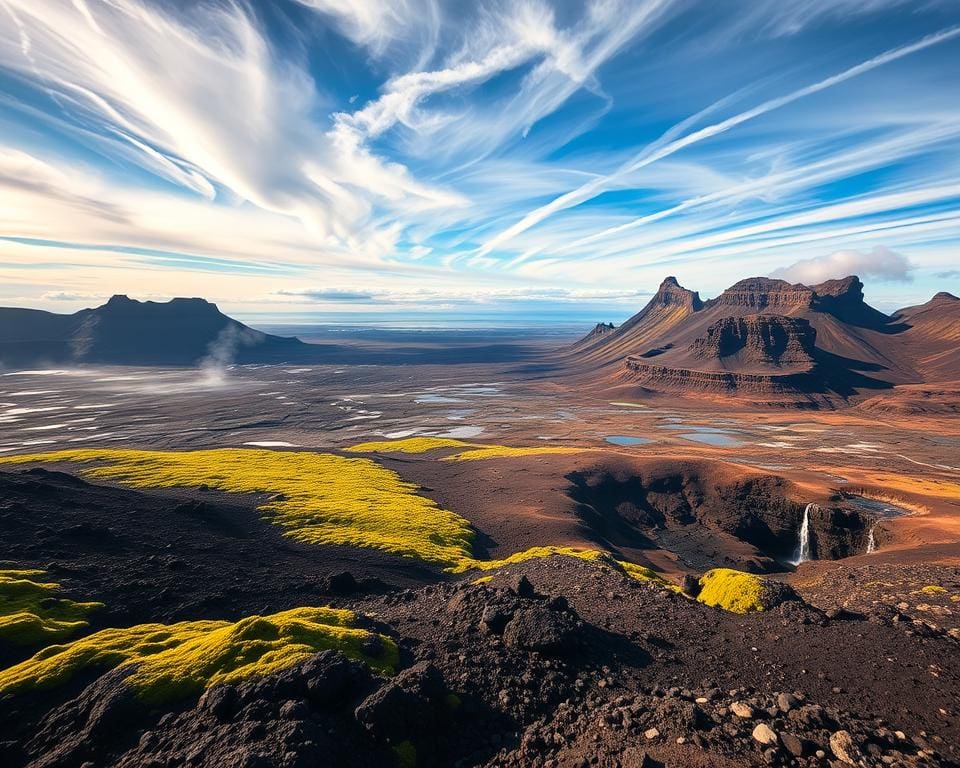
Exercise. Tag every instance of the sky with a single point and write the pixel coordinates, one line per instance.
(525, 160)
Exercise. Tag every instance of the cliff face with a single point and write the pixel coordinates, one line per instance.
(749, 521)
(760, 293)
(794, 388)
(756, 355)
(762, 339)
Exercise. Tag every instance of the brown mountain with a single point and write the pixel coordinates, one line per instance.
(933, 337)
(779, 342)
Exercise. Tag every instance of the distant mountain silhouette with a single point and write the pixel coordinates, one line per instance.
(128, 332)
(189, 332)
(770, 339)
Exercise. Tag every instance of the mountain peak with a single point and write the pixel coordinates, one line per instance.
(671, 293)
(849, 287)
(944, 296)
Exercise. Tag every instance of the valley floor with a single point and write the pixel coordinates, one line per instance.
(575, 664)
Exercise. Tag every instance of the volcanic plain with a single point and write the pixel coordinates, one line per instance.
(502, 562)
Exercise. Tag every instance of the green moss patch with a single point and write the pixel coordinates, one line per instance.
(465, 451)
(32, 613)
(733, 591)
(319, 498)
(639, 572)
(177, 660)
(327, 499)
(410, 445)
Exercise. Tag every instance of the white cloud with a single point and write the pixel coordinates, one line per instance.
(230, 144)
(500, 38)
(203, 100)
(668, 145)
(880, 263)
(69, 296)
(773, 18)
(379, 24)
(328, 294)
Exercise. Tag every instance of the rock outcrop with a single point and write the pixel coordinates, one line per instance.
(763, 339)
(759, 293)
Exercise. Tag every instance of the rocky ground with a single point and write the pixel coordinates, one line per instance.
(552, 663)
(172, 555)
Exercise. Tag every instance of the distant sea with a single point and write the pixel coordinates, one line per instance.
(542, 324)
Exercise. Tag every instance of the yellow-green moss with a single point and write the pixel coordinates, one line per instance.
(508, 452)
(471, 451)
(642, 573)
(483, 579)
(32, 614)
(933, 589)
(176, 660)
(409, 445)
(639, 572)
(732, 590)
(319, 498)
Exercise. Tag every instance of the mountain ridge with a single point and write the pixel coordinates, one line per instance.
(819, 344)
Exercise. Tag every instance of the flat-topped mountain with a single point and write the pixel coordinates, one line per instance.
(759, 293)
(817, 344)
(126, 331)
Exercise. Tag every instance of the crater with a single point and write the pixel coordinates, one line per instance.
(710, 516)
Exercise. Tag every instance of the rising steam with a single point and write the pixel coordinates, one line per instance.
(222, 351)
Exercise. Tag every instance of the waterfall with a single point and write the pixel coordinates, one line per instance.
(803, 543)
(871, 542)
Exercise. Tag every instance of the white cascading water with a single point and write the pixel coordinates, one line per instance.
(871, 542)
(803, 545)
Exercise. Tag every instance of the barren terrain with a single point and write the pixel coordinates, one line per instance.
(586, 666)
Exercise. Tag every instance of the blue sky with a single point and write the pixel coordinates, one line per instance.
(415, 158)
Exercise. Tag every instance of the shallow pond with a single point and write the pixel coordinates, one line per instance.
(430, 398)
(627, 440)
(713, 437)
(875, 506)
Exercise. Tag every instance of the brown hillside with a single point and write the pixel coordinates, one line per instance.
(792, 342)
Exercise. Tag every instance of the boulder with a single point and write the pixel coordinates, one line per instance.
(765, 735)
(786, 702)
(539, 629)
(522, 587)
(690, 585)
(495, 619)
(844, 748)
(792, 744)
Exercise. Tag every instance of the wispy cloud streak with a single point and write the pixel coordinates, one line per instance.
(660, 150)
